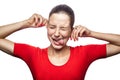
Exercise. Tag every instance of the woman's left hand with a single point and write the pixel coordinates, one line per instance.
(80, 31)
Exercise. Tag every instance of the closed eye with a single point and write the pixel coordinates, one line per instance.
(52, 27)
(64, 28)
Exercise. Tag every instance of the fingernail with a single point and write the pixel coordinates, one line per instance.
(41, 25)
(77, 39)
(74, 40)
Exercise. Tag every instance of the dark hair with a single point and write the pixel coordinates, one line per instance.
(65, 9)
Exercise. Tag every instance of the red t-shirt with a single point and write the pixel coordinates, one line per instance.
(42, 69)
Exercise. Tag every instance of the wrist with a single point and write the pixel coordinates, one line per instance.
(25, 24)
(91, 34)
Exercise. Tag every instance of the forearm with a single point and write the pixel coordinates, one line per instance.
(6, 30)
(111, 38)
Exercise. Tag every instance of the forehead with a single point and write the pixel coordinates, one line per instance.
(59, 19)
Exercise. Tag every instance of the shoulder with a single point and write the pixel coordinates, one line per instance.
(88, 47)
(22, 47)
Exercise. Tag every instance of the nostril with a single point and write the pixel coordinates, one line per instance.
(56, 34)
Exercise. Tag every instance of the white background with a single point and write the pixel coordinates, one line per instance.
(97, 15)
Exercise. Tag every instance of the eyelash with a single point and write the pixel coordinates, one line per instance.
(63, 29)
(52, 27)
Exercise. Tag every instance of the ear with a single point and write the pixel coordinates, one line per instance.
(46, 24)
(71, 33)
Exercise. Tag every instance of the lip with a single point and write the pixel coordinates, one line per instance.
(57, 41)
(54, 39)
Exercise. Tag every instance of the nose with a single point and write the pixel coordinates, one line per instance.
(57, 33)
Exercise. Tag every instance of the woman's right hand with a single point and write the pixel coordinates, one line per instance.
(36, 20)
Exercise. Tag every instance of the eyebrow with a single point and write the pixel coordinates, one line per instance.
(60, 26)
(51, 24)
(64, 27)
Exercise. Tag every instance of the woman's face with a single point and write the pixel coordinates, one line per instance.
(58, 30)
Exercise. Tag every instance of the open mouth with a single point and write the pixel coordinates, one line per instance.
(58, 41)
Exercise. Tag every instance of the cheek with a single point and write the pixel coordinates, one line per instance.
(50, 32)
(67, 34)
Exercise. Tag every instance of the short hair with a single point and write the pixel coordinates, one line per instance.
(65, 9)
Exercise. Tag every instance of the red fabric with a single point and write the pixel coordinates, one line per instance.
(74, 69)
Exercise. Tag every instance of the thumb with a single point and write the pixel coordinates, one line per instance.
(44, 23)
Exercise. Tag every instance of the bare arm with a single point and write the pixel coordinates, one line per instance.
(8, 46)
(113, 47)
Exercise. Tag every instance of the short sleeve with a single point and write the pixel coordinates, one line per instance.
(24, 51)
(95, 52)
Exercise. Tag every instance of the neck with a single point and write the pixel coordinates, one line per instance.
(58, 57)
(62, 51)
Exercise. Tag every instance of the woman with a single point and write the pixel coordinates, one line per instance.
(58, 61)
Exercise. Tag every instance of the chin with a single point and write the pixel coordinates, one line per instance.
(57, 47)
